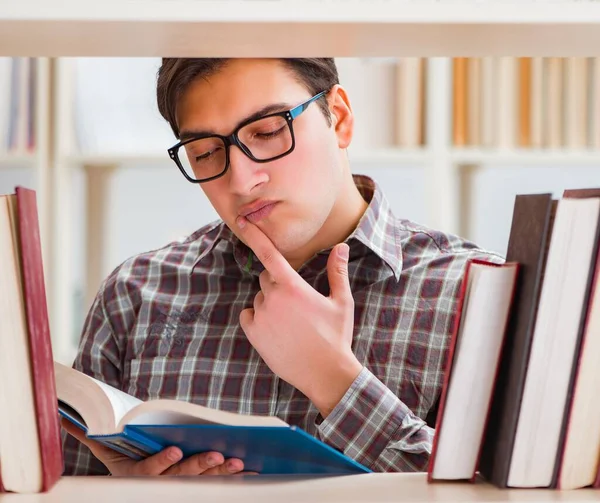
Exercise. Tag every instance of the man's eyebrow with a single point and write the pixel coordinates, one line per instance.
(274, 107)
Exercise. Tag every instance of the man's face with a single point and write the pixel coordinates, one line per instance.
(302, 186)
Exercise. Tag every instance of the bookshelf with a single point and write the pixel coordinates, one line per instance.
(51, 31)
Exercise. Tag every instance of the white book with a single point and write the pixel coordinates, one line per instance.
(595, 106)
(506, 104)
(464, 408)
(537, 102)
(576, 105)
(474, 109)
(553, 95)
(489, 96)
(555, 337)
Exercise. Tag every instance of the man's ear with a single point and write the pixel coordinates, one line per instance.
(342, 118)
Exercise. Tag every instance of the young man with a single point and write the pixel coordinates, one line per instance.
(308, 300)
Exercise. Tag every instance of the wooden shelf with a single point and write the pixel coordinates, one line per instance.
(17, 159)
(521, 156)
(372, 487)
(298, 28)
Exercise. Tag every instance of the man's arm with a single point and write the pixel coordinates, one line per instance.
(305, 338)
(371, 425)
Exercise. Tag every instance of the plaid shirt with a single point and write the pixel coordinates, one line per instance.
(165, 324)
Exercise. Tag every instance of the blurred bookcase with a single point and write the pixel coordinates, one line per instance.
(447, 117)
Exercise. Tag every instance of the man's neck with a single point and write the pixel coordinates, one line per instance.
(341, 222)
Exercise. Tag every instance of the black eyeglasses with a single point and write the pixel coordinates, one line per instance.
(265, 139)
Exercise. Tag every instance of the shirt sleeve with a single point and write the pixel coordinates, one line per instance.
(98, 357)
(372, 426)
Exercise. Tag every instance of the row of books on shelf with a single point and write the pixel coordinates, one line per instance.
(502, 102)
(535, 102)
(17, 104)
(506, 102)
(519, 405)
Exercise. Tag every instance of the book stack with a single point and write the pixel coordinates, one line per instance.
(519, 403)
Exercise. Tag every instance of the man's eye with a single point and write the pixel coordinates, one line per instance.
(269, 134)
(205, 156)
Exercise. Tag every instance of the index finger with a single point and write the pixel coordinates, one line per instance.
(270, 257)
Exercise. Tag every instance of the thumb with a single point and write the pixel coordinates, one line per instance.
(337, 273)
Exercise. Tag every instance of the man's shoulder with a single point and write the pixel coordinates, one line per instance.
(425, 245)
(175, 256)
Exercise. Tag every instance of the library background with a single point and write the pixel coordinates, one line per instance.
(437, 133)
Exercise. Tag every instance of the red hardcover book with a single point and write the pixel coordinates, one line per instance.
(484, 304)
(26, 236)
(39, 337)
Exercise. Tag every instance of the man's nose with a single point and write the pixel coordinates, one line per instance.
(244, 173)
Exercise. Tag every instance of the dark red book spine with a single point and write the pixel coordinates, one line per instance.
(40, 346)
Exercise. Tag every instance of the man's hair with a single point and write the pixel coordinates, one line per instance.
(176, 74)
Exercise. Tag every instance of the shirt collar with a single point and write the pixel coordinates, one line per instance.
(377, 230)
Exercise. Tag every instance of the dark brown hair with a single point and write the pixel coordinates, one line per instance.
(176, 74)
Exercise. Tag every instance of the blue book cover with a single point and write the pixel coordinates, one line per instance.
(264, 449)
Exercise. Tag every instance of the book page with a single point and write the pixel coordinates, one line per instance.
(121, 402)
(162, 412)
(100, 405)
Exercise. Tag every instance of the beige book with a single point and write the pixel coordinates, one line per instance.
(524, 97)
(489, 88)
(575, 102)
(595, 105)
(409, 103)
(460, 95)
(506, 104)
(553, 103)
(536, 102)
(474, 108)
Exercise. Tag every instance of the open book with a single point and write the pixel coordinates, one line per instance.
(138, 429)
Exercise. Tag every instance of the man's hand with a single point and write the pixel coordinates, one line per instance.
(165, 462)
(304, 337)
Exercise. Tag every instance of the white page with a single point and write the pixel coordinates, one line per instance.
(120, 401)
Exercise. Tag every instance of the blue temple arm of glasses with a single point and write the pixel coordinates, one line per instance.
(296, 111)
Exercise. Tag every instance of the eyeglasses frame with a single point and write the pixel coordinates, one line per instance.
(233, 139)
